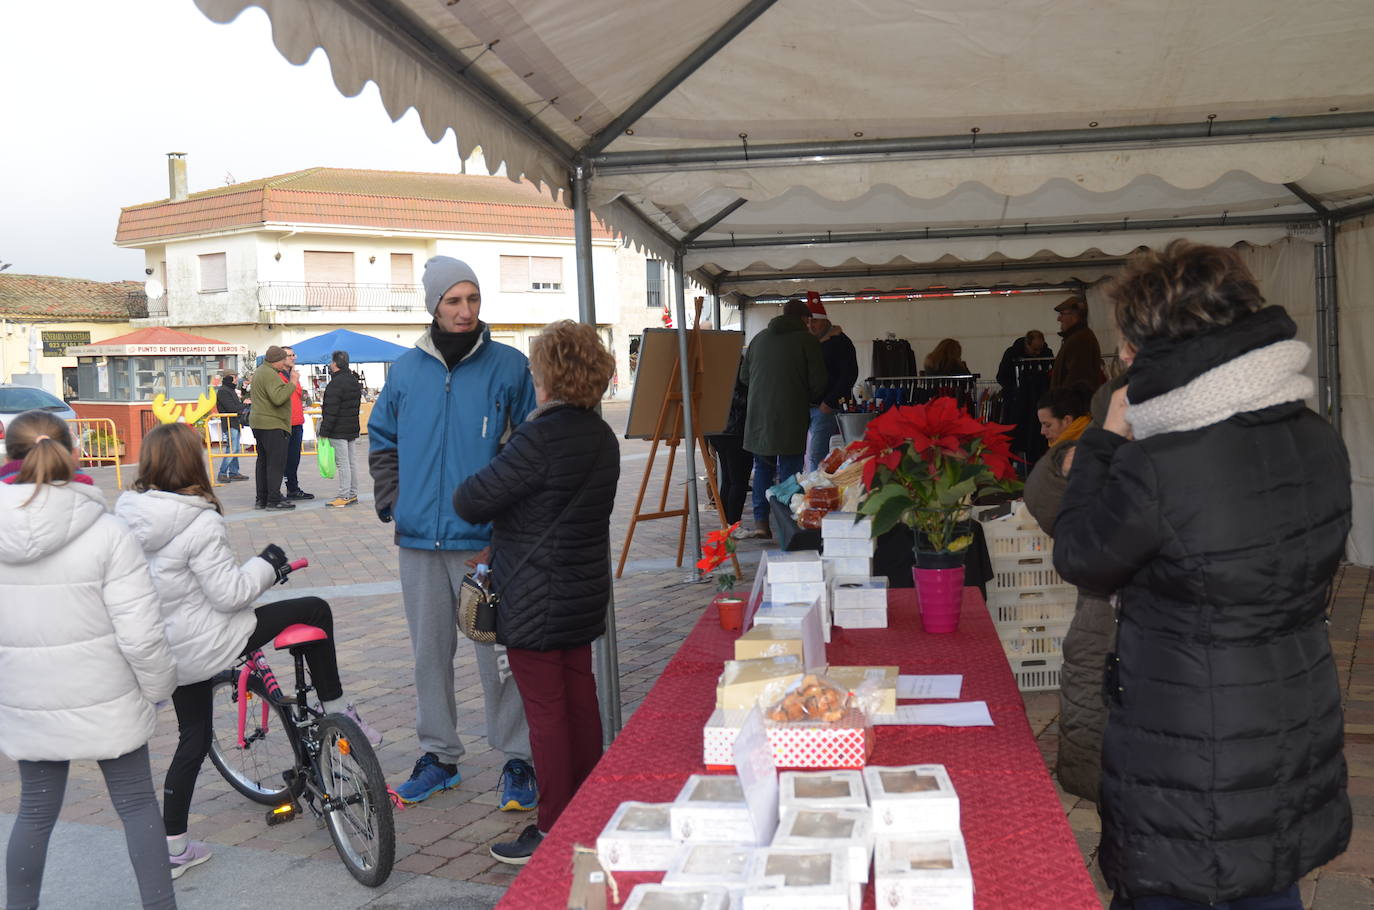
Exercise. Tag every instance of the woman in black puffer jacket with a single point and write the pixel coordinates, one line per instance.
(563, 456)
(1217, 506)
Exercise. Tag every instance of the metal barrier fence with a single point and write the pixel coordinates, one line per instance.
(98, 442)
(211, 454)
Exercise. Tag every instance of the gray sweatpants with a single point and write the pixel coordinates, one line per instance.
(130, 782)
(345, 467)
(430, 580)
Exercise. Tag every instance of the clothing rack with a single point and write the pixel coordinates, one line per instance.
(921, 389)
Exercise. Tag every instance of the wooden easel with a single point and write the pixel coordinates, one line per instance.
(666, 431)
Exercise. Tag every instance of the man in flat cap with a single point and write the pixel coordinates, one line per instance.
(446, 407)
(1079, 361)
(270, 421)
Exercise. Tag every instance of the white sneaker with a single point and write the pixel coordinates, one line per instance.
(373, 735)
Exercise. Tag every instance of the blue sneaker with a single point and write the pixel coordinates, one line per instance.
(519, 792)
(429, 777)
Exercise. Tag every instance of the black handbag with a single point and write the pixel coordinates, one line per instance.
(475, 612)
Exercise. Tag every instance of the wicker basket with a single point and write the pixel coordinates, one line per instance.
(847, 475)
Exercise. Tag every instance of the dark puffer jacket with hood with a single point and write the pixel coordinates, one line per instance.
(558, 598)
(1221, 527)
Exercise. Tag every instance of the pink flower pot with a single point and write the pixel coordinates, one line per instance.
(940, 592)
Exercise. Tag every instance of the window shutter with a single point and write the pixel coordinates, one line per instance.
(331, 267)
(515, 273)
(402, 268)
(214, 272)
(546, 273)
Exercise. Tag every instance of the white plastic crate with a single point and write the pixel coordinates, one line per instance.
(1016, 573)
(1035, 638)
(1046, 603)
(1016, 536)
(1034, 674)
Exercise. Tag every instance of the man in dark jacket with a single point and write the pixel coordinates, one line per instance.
(841, 370)
(343, 398)
(227, 402)
(785, 372)
(1032, 344)
(441, 416)
(1079, 361)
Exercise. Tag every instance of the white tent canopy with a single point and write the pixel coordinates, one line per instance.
(777, 144)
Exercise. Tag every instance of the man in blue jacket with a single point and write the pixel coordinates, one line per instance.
(442, 415)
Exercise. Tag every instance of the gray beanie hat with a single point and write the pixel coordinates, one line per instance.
(442, 273)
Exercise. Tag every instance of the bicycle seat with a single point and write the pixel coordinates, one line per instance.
(298, 634)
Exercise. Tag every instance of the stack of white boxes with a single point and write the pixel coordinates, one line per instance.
(1031, 604)
(794, 582)
(857, 600)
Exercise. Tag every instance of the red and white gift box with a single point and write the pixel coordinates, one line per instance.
(846, 744)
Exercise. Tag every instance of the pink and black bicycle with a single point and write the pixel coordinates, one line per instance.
(279, 750)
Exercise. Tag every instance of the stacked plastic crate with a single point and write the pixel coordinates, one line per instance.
(1029, 601)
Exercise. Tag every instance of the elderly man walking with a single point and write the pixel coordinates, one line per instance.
(270, 420)
(446, 406)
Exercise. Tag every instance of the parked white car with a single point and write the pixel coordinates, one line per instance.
(16, 399)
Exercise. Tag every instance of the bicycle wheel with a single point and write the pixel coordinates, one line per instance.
(358, 810)
(256, 770)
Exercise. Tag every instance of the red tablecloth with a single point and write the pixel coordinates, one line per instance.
(1021, 850)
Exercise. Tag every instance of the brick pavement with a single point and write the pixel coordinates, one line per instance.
(447, 836)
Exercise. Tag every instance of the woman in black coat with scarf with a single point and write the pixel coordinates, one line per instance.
(549, 494)
(1217, 505)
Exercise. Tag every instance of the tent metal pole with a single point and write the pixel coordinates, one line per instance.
(878, 273)
(678, 74)
(606, 654)
(689, 437)
(715, 305)
(714, 220)
(1332, 341)
(1024, 230)
(1358, 210)
(1324, 289)
(1202, 132)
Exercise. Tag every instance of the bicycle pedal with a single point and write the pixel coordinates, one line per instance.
(280, 815)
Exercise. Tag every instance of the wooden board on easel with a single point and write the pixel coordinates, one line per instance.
(658, 374)
(713, 362)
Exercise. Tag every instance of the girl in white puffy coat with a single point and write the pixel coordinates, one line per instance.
(207, 608)
(83, 660)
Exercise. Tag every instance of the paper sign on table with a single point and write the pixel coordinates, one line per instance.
(930, 686)
(954, 714)
(758, 776)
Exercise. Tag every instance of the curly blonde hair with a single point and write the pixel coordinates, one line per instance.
(570, 363)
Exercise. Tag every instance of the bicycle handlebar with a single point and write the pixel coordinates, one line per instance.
(298, 564)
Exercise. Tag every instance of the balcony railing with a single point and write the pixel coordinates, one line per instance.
(327, 295)
(141, 305)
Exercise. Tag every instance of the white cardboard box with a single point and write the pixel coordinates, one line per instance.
(821, 790)
(792, 878)
(848, 546)
(711, 807)
(830, 829)
(841, 524)
(858, 592)
(912, 799)
(803, 565)
(638, 838)
(777, 612)
(791, 592)
(929, 872)
(725, 865)
(849, 565)
(861, 619)
(675, 897)
(743, 681)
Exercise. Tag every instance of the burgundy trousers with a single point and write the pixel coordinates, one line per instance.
(559, 693)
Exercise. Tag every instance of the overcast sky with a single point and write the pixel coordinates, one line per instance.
(97, 92)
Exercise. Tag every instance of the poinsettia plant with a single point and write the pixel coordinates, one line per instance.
(718, 547)
(926, 463)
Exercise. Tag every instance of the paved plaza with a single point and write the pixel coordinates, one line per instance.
(442, 859)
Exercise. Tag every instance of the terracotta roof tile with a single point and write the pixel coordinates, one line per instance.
(32, 297)
(393, 200)
(160, 335)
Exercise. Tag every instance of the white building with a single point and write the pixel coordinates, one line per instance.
(281, 259)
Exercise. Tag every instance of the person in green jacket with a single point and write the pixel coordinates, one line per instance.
(785, 374)
(270, 420)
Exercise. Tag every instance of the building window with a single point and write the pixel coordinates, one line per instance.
(330, 282)
(402, 268)
(653, 288)
(214, 273)
(531, 273)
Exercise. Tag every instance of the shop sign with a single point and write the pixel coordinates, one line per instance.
(55, 344)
